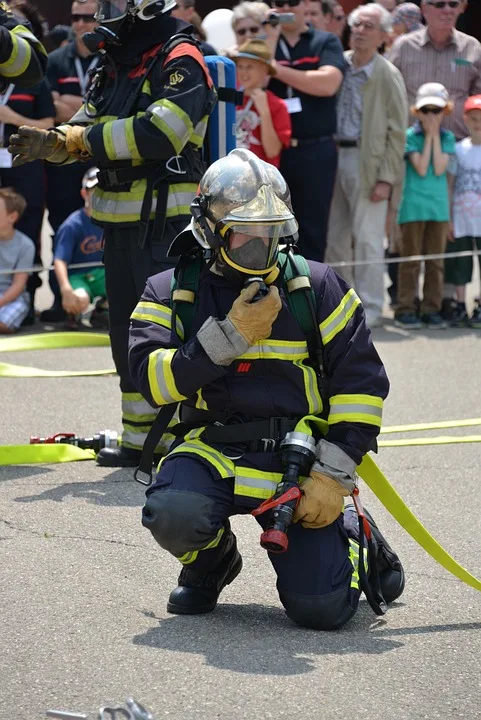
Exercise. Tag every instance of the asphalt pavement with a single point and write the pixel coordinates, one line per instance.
(84, 587)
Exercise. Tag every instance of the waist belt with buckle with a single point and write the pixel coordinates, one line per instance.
(262, 435)
(347, 143)
(299, 142)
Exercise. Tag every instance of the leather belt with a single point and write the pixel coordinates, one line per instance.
(347, 143)
(299, 142)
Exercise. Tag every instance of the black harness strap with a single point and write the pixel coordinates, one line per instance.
(143, 474)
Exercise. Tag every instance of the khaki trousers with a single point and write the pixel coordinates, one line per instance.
(422, 238)
(356, 232)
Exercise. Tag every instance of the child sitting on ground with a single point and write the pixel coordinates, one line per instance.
(466, 214)
(424, 211)
(17, 251)
(78, 241)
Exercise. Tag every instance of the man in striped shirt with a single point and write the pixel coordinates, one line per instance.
(440, 53)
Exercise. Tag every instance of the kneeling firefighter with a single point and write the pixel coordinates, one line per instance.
(143, 122)
(241, 366)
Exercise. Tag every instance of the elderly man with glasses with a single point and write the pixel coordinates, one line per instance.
(371, 124)
(309, 67)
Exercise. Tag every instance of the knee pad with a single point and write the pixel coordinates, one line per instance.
(321, 612)
(179, 520)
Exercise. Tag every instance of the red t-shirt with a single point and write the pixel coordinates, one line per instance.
(248, 127)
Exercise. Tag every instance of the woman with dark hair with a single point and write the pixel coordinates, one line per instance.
(27, 106)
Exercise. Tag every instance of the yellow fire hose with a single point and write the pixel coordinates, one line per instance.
(368, 470)
(50, 341)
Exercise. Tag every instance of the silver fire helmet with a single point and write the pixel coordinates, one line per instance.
(244, 210)
(111, 11)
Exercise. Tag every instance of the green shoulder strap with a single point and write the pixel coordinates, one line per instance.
(183, 291)
(296, 280)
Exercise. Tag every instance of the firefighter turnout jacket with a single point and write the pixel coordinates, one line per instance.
(23, 59)
(274, 378)
(152, 113)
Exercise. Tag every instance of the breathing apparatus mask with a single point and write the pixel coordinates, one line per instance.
(240, 217)
(115, 18)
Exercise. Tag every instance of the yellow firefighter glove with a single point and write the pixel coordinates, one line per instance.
(254, 320)
(322, 500)
(30, 143)
(76, 142)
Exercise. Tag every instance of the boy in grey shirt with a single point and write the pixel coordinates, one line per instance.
(16, 251)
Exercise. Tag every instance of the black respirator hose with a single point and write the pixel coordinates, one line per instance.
(103, 104)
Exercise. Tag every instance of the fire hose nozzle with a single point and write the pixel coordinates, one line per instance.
(298, 452)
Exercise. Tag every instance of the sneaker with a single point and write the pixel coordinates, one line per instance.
(73, 322)
(459, 317)
(99, 319)
(448, 307)
(407, 320)
(433, 321)
(475, 319)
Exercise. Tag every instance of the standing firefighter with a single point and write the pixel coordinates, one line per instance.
(143, 122)
(243, 369)
(23, 59)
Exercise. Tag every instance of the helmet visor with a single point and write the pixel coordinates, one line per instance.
(110, 10)
(254, 247)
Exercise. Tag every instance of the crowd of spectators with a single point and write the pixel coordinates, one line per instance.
(381, 142)
(374, 119)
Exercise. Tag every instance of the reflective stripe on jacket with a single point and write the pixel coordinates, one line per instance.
(23, 59)
(171, 111)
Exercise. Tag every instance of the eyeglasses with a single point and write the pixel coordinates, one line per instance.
(443, 3)
(434, 110)
(251, 30)
(281, 3)
(81, 16)
(366, 25)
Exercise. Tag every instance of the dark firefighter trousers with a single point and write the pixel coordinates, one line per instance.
(127, 268)
(317, 578)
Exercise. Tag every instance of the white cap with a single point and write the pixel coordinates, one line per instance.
(90, 179)
(432, 94)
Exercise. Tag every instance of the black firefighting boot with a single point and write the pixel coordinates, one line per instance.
(119, 457)
(198, 592)
(391, 572)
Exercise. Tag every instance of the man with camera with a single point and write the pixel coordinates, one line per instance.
(309, 68)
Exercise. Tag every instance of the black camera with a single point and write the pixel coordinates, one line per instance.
(274, 19)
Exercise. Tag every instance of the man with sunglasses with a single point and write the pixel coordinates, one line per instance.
(309, 71)
(67, 73)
